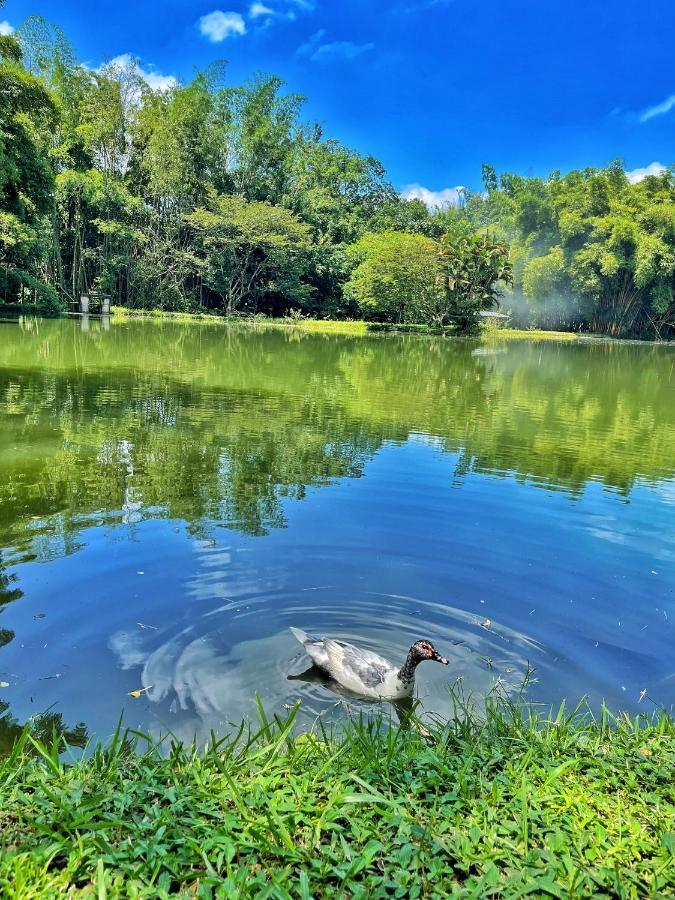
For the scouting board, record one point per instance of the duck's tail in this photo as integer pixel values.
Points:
(300, 635)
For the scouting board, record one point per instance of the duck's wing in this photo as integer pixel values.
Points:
(356, 668)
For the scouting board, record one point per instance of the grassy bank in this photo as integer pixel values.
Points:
(339, 326)
(327, 326)
(532, 334)
(563, 807)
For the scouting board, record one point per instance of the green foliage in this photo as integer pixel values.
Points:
(473, 268)
(245, 251)
(409, 278)
(601, 248)
(112, 186)
(505, 805)
(26, 179)
(107, 185)
(542, 275)
(396, 276)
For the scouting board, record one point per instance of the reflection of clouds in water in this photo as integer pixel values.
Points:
(199, 682)
(224, 575)
(203, 673)
(646, 536)
(199, 685)
(128, 647)
(606, 534)
(666, 491)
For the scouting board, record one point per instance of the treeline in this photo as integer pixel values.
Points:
(209, 196)
(590, 250)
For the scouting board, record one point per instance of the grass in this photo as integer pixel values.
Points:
(121, 313)
(509, 805)
(324, 326)
(489, 332)
(532, 334)
(320, 326)
(335, 326)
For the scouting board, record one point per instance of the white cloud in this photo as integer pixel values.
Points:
(312, 43)
(6, 28)
(317, 51)
(339, 50)
(257, 10)
(433, 199)
(218, 25)
(635, 175)
(153, 79)
(659, 110)
(280, 11)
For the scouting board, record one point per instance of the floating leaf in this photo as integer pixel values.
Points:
(4, 683)
(141, 691)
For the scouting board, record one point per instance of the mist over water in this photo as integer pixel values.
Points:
(557, 311)
(173, 498)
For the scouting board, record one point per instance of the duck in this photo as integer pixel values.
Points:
(366, 673)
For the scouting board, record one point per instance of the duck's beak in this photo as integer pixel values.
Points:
(441, 659)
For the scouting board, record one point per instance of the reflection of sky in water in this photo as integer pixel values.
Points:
(203, 681)
(171, 517)
(204, 622)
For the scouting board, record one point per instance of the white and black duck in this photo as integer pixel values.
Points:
(364, 672)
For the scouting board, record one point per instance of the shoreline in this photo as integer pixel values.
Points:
(352, 327)
(501, 804)
(359, 327)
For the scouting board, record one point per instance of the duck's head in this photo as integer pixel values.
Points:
(422, 650)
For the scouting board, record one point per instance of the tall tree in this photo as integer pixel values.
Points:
(27, 113)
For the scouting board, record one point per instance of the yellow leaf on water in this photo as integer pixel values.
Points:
(142, 691)
(4, 683)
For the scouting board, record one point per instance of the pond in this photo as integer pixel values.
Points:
(173, 497)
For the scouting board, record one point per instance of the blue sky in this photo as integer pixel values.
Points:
(431, 87)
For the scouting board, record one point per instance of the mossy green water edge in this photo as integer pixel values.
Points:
(505, 805)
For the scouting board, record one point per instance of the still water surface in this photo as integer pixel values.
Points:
(173, 497)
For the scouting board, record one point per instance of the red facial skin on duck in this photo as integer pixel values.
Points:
(431, 653)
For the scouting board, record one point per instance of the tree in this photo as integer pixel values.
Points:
(149, 195)
(601, 245)
(395, 277)
(246, 251)
(406, 278)
(263, 138)
(27, 113)
(473, 268)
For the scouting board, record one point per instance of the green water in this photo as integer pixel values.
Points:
(173, 497)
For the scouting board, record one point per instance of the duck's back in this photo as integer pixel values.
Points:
(360, 670)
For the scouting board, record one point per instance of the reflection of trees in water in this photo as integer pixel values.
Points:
(218, 424)
(43, 727)
(8, 593)
(8, 589)
(190, 455)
